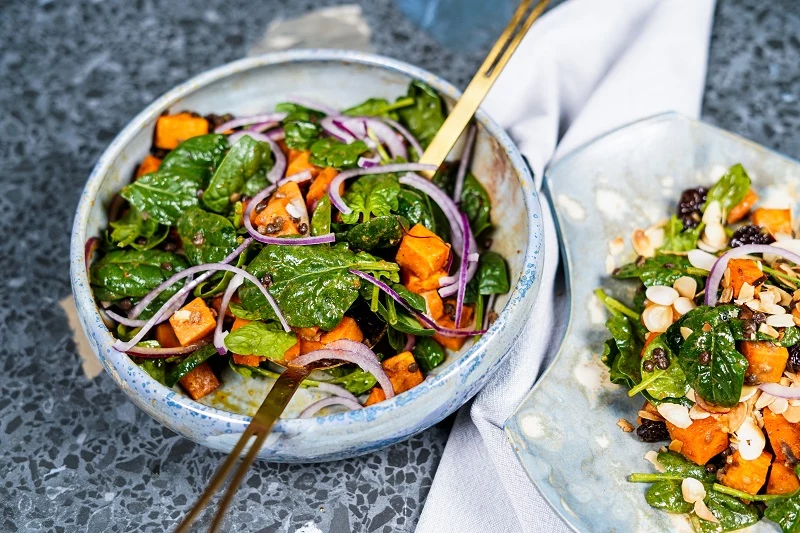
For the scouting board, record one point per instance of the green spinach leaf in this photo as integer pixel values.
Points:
(156, 368)
(321, 218)
(298, 112)
(492, 274)
(785, 513)
(259, 338)
(357, 382)
(660, 384)
(188, 364)
(731, 512)
(667, 496)
(245, 159)
(415, 207)
(374, 195)
(329, 152)
(663, 269)
(378, 233)
(676, 239)
(239, 311)
(621, 354)
(397, 339)
(730, 189)
(378, 107)
(301, 135)
(426, 116)
(128, 230)
(675, 463)
(206, 237)
(428, 353)
(133, 274)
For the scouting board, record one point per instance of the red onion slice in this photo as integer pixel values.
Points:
(262, 127)
(152, 295)
(88, 250)
(365, 362)
(162, 353)
(780, 391)
(489, 306)
(447, 332)
(369, 162)
(360, 126)
(125, 346)
(125, 321)
(462, 271)
(312, 104)
(315, 407)
(411, 341)
(277, 134)
(279, 168)
(336, 390)
(463, 165)
(718, 270)
(407, 134)
(333, 188)
(246, 121)
(219, 338)
(334, 128)
(444, 202)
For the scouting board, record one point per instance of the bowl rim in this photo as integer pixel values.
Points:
(529, 275)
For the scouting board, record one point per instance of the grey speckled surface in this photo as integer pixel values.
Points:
(75, 455)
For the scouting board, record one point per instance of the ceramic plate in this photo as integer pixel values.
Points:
(565, 432)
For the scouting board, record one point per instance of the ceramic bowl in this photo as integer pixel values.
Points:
(565, 432)
(340, 79)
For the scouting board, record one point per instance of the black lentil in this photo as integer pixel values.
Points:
(260, 206)
(649, 365)
(663, 363)
(166, 266)
(710, 468)
(413, 367)
(759, 317)
(199, 239)
(267, 280)
(704, 358)
(234, 197)
(303, 228)
(125, 304)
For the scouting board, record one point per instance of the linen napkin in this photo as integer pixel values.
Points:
(585, 68)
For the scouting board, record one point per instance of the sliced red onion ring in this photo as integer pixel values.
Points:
(277, 134)
(335, 128)
(446, 204)
(162, 353)
(462, 271)
(246, 121)
(369, 162)
(88, 250)
(125, 321)
(262, 127)
(312, 104)
(283, 241)
(333, 188)
(315, 407)
(411, 341)
(366, 363)
(718, 270)
(336, 390)
(447, 332)
(219, 338)
(137, 309)
(360, 126)
(463, 165)
(125, 346)
(279, 168)
(781, 391)
(489, 307)
(407, 134)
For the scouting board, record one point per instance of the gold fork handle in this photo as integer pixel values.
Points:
(477, 89)
(259, 427)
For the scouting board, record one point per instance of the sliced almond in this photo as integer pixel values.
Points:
(641, 244)
(746, 293)
(764, 400)
(652, 457)
(774, 309)
(701, 259)
(661, 295)
(734, 419)
(792, 414)
(682, 305)
(685, 332)
(691, 394)
(626, 426)
(656, 236)
(698, 413)
(726, 277)
(675, 446)
(657, 318)
(751, 440)
(748, 391)
(693, 490)
(727, 295)
(779, 406)
(766, 329)
(714, 235)
(615, 246)
(780, 321)
(647, 415)
(767, 298)
(686, 286)
(675, 414)
(702, 511)
(713, 213)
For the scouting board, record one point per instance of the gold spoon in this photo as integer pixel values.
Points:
(291, 378)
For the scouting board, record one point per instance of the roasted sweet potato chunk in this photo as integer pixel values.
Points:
(172, 130)
(420, 285)
(193, 322)
(166, 336)
(346, 329)
(766, 361)
(702, 440)
(783, 436)
(777, 221)
(454, 343)
(376, 395)
(403, 372)
(747, 476)
(200, 381)
(434, 304)
(284, 213)
(298, 162)
(319, 187)
(782, 479)
(148, 165)
(244, 358)
(744, 271)
(742, 209)
(422, 252)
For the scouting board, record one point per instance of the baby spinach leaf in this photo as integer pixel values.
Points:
(370, 196)
(428, 354)
(239, 311)
(663, 269)
(329, 152)
(321, 218)
(492, 274)
(378, 233)
(785, 513)
(206, 237)
(400, 320)
(730, 189)
(300, 135)
(378, 107)
(474, 201)
(245, 159)
(397, 339)
(188, 364)
(622, 353)
(250, 371)
(133, 273)
(675, 463)
(676, 239)
(667, 496)
(791, 335)
(660, 384)
(259, 338)
(298, 112)
(168, 192)
(254, 185)
(311, 284)
(720, 380)
(424, 118)
(156, 368)
(357, 381)
(414, 207)
(731, 512)
(128, 230)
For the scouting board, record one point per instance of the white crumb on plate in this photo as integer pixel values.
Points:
(611, 204)
(597, 313)
(572, 208)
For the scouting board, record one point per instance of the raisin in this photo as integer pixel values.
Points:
(690, 206)
(793, 363)
(652, 431)
(751, 235)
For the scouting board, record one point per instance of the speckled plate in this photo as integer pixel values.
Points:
(565, 432)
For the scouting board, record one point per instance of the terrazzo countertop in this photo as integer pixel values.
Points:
(75, 454)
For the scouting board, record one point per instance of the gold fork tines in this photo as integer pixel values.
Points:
(477, 89)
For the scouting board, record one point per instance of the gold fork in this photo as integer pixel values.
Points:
(289, 381)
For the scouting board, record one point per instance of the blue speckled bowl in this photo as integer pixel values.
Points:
(341, 79)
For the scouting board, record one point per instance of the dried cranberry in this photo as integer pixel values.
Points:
(690, 206)
(793, 363)
(652, 431)
(751, 235)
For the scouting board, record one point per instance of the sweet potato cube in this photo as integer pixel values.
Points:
(744, 271)
(276, 216)
(292, 352)
(403, 372)
(782, 479)
(702, 440)
(193, 322)
(777, 221)
(747, 476)
(239, 323)
(783, 436)
(346, 329)
(454, 343)
(216, 302)
(299, 162)
(376, 395)
(434, 304)
(166, 336)
(310, 334)
(422, 252)
(148, 165)
(319, 187)
(766, 361)
(200, 381)
(420, 285)
(742, 209)
(172, 130)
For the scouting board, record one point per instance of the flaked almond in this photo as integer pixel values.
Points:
(754, 305)
(675, 414)
(702, 511)
(759, 418)
(701, 259)
(657, 318)
(766, 329)
(652, 457)
(764, 400)
(692, 395)
(712, 213)
(746, 293)
(780, 321)
(714, 236)
(727, 295)
(792, 414)
(698, 413)
(748, 391)
(685, 332)
(767, 298)
(682, 305)
(647, 415)
(734, 419)
(661, 295)
(726, 277)
(692, 490)
(710, 407)
(686, 286)
(616, 246)
(704, 246)
(656, 236)
(751, 440)
(774, 309)
(626, 426)
(779, 406)
(641, 244)
(675, 446)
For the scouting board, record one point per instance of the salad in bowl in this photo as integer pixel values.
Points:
(711, 342)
